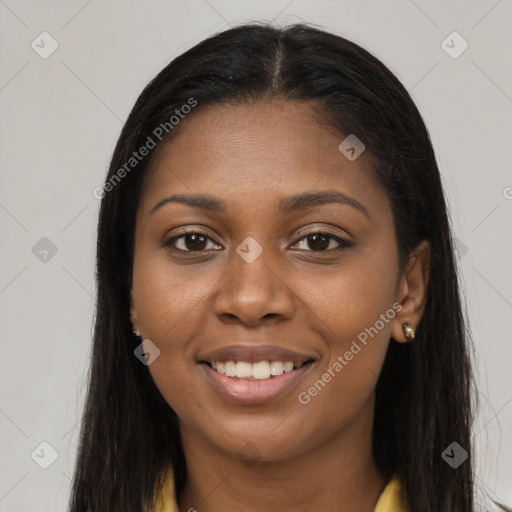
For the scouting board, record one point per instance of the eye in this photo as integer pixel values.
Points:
(191, 241)
(320, 240)
(317, 239)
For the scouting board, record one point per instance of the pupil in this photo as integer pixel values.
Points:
(315, 242)
(322, 240)
(197, 241)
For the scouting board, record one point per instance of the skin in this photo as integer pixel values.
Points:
(281, 455)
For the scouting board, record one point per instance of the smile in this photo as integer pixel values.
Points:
(248, 373)
(261, 370)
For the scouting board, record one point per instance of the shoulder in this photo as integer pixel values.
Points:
(165, 499)
(391, 498)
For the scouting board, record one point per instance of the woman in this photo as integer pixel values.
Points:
(278, 321)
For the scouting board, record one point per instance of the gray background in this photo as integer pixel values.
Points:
(61, 117)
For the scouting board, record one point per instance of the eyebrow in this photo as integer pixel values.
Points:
(286, 205)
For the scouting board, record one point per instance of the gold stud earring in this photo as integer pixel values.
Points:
(409, 332)
(137, 333)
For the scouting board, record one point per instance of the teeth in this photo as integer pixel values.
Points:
(288, 367)
(230, 368)
(276, 368)
(261, 370)
(253, 371)
(243, 369)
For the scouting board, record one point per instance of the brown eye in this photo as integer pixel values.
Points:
(191, 242)
(320, 241)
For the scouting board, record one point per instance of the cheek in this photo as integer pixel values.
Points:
(356, 310)
(352, 298)
(171, 308)
(170, 299)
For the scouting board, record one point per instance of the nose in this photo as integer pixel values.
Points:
(254, 293)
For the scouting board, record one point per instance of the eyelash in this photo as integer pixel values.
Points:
(343, 244)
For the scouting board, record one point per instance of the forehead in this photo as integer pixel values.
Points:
(256, 150)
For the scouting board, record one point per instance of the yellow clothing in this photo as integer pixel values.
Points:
(389, 500)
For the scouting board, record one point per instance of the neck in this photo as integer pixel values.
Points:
(337, 475)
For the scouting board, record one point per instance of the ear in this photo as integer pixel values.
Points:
(412, 291)
(134, 317)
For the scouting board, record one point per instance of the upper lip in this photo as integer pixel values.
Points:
(254, 353)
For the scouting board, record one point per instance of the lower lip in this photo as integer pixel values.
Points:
(251, 392)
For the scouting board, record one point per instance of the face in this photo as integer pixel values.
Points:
(273, 296)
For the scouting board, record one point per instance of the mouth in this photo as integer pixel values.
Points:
(260, 370)
(248, 374)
